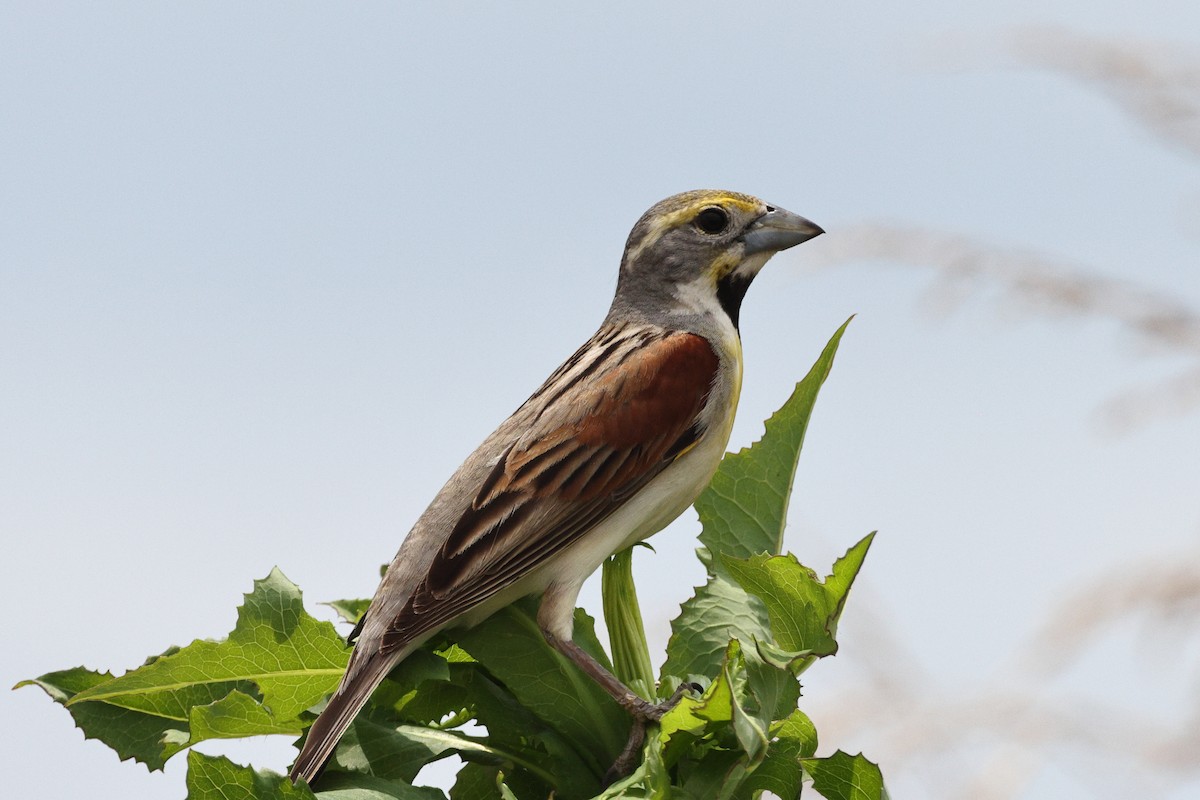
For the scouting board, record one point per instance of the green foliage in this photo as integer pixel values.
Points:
(845, 777)
(218, 778)
(744, 508)
(541, 728)
(277, 662)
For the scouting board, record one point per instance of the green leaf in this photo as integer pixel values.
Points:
(793, 739)
(387, 752)
(717, 612)
(803, 611)
(350, 610)
(234, 716)
(799, 732)
(218, 778)
(803, 615)
(744, 509)
(132, 734)
(693, 715)
(743, 512)
(212, 689)
(476, 782)
(276, 647)
(511, 647)
(356, 786)
(749, 727)
(718, 775)
(772, 692)
(513, 728)
(399, 753)
(846, 777)
(418, 689)
(737, 715)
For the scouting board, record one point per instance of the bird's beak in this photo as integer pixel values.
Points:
(778, 230)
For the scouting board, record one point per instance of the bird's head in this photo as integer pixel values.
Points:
(703, 248)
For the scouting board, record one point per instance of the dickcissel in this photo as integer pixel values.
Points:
(615, 444)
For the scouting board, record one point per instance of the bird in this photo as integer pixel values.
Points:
(613, 446)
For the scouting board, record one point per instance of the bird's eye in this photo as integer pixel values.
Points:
(712, 220)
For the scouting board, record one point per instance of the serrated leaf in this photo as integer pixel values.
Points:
(218, 778)
(759, 684)
(846, 777)
(743, 512)
(648, 780)
(276, 647)
(793, 661)
(744, 509)
(793, 739)
(234, 716)
(772, 692)
(803, 610)
(350, 610)
(212, 689)
(717, 612)
(132, 734)
(798, 730)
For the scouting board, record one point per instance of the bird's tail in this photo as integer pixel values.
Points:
(356, 687)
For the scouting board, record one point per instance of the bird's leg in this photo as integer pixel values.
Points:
(641, 710)
(625, 697)
(627, 761)
(556, 620)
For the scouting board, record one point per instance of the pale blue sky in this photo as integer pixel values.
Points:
(268, 274)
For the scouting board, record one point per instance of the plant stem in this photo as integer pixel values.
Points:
(623, 618)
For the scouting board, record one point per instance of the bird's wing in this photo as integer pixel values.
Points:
(609, 420)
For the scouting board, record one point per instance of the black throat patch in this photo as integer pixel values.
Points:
(730, 291)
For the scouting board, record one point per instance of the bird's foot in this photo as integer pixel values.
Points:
(643, 712)
(646, 711)
(628, 760)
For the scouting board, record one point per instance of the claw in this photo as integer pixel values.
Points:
(653, 712)
(643, 712)
(628, 759)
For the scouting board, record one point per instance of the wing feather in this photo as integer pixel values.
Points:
(612, 418)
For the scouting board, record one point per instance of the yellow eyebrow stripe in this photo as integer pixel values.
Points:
(686, 213)
(691, 204)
